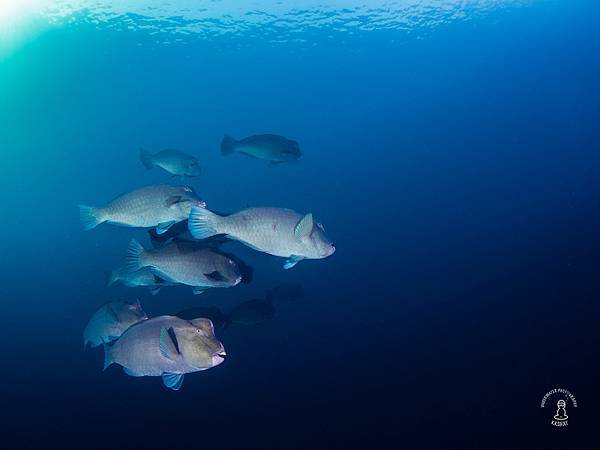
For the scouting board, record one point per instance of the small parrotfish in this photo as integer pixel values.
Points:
(172, 161)
(269, 147)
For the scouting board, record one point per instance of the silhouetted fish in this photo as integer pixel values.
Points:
(270, 147)
(285, 292)
(172, 161)
(251, 312)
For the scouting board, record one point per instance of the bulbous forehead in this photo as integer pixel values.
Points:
(204, 324)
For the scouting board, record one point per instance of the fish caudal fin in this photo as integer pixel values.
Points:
(202, 223)
(228, 145)
(146, 158)
(89, 218)
(134, 257)
(108, 356)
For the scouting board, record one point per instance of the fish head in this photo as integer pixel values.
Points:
(135, 312)
(186, 203)
(318, 245)
(290, 151)
(199, 345)
(192, 167)
(227, 272)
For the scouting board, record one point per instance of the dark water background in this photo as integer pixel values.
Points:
(456, 171)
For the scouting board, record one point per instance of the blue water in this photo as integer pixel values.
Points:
(452, 152)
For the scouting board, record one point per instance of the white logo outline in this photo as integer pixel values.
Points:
(561, 418)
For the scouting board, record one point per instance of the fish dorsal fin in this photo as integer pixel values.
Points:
(304, 226)
(172, 200)
(168, 345)
(172, 380)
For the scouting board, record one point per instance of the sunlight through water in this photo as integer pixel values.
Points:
(270, 19)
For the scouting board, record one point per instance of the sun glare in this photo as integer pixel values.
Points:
(16, 22)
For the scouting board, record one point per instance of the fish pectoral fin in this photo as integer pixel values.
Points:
(199, 289)
(173, 200)
(172, 380)
(164, 227)
(292, 261)
(130, 372)
(305, 226)
(215, 276)
(167, 344)
(163, 276)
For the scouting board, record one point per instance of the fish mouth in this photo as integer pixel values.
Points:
(202, 204)
(218, 358)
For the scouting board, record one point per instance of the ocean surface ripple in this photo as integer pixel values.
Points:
(273, 20)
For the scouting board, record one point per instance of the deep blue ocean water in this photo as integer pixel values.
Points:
(453, 157)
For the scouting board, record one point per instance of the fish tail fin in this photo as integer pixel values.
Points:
(134, 258)
(108, 356)
(89, 217)
(146, 158)
(228, 145)
(203, 223)
(110, 276)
